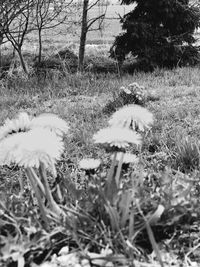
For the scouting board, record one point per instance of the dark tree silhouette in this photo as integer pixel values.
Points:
(159, 33)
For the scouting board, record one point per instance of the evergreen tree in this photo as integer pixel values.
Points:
(159, 32)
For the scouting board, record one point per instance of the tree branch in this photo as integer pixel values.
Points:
(92, 21)
(92, 5)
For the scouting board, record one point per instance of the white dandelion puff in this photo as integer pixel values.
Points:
(89, 164)
(20, 124)
(32, 148)
(132, 116)
(39, 146)
(9, 148)
(51, 122)
(118, 137)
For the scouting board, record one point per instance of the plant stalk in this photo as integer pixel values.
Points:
(38, 196)
(41, 187)
(53, 205)
(119, 168)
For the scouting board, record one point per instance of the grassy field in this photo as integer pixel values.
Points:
(169, 159)
(143, 212)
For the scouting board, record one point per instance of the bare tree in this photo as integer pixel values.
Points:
(20, 17)
(50, 14)
(87, 25)
(15, 21)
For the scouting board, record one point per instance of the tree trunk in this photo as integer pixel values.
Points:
(84, 30)
(19, 51)
(40, 45)
(1, 41)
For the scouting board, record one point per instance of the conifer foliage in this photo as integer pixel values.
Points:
(159, 33)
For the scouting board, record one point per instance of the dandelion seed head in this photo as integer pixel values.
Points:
(132, 116)
(51, 122)
(42, 140)
(20, 124)
(34, 159)
(30, 149)
(9, 147)
(118, 137)
(89, 164)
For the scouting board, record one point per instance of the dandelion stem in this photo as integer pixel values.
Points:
(112, 169)
(110, 185)
(38, 181)
(119, 168)
(38, 196)
(59, 194)
(21, 183)
(131, 225)
(53, 205)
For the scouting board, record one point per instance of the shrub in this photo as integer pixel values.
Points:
(132, 94)
(64, 60)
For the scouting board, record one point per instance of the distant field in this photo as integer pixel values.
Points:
(111, 26)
